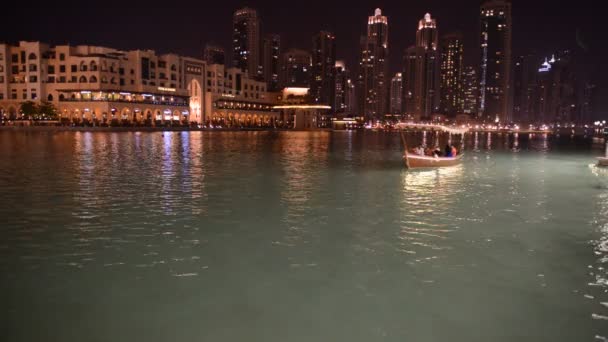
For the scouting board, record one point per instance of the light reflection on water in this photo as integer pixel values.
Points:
(302, 235)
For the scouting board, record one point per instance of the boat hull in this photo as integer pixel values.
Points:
(603, 161)
(418, 162)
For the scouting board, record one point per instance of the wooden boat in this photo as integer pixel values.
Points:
(413, 161)
(416, 161)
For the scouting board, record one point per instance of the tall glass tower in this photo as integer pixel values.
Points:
(495, 70)
(373, 78)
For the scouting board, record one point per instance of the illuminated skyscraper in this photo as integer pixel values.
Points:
(396, 94)
(452, 58)
(421, 70)
(372, 79)
(323, 82)
(345, 101)
(470, 86)
(246, 42)
(495, 71)
(525, 70)
(272, 55)
(295, 69)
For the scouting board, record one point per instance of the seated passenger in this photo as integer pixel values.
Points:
(437, 152)
(448, 151)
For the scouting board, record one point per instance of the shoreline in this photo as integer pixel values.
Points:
(135, 129)
(192, 129)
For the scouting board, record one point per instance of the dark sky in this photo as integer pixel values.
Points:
(185, 26)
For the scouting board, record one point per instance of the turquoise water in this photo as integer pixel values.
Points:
(290, 236)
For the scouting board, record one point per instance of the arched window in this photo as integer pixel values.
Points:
(93, 79)
(113, 80)
(32, 56)
(83, 67)
(104, 79)
(173, 67)
(112, 67)
(104, 66)
(50, 97)
(83, 79)
(93, 66)
(61, 97)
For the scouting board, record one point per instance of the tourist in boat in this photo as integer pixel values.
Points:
(448, 151)
(454, 151)
(437, 152)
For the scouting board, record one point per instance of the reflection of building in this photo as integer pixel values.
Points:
(372, 80)
(246, 42)
(495, 72)
(452, 58)
(272, 53)
(322, 84)
(396, 94)
(214, 54)
(296, 107)
(234, 99)
(421, 66)
(470, 90)
(295, 69)
(102, 85)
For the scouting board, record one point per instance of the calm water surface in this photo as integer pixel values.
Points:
(299, 237)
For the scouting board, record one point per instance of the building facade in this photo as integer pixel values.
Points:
(295, 69)
(99, 85)
(213, 54)
(373, 79)
(421, 69)
(495, 71)
(396, 102)
(452, 59)
(470, 87)
(322, 85)
(236, 100)
(558, 97)
(525, 69)
(272, 55)
(246, 42)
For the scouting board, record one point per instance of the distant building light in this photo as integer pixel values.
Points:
(172, 90)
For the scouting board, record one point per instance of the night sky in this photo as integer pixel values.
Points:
(185, 26)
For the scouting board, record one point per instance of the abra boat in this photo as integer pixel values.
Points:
(414, 161)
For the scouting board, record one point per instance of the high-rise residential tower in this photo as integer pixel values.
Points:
(452, 59)
(495, 66)
(246, 42)
(525, 70)
(470, 90)
(373, 78)
(396, 94)
(295, 69)
(272, 55)
(322, 85)
(421, 70)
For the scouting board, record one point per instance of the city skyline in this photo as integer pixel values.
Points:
(213, 25)
(472, 52)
